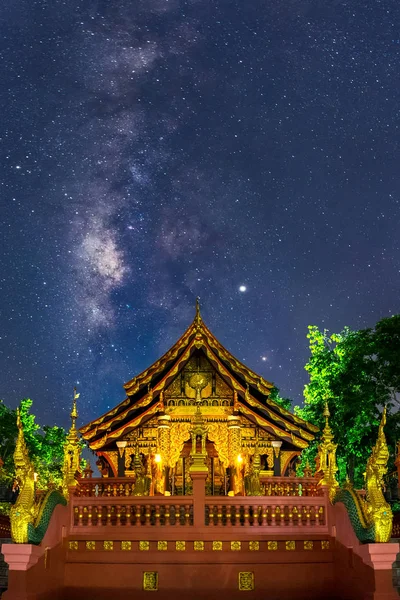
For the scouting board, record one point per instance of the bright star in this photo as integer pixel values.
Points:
(242, 288)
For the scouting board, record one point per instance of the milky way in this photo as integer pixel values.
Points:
(158, 150)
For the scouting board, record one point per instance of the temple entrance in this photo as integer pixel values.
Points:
(217, 482)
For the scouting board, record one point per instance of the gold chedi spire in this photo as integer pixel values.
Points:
(72, 451)
(327, 457)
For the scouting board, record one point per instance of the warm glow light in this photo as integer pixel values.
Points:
(157, 458)
(35, 476)
(239, 458)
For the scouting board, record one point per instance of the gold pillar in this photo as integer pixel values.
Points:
(163, 452)
(235, 453)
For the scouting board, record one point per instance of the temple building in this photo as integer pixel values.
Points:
(246, 437)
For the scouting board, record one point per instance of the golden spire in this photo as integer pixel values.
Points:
(327, 457)
(327, 434)
(74, 411)
(72, 451)
(197, 318)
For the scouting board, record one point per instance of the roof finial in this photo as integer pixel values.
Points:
(74, 411)
(198, 315)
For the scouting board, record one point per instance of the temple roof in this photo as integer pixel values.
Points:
(145, 393)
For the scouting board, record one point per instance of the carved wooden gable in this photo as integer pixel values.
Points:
(216, 392)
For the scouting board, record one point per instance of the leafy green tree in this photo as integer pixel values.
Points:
(276, 397)
(45, 445)
(357, 372)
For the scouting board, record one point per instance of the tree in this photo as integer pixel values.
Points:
(45, 445)
(357, 372)
(276, 397)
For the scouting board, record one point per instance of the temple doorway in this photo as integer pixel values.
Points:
(217, 482)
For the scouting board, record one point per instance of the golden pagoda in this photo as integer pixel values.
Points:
(149, 435)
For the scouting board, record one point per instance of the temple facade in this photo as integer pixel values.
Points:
(198, 497)
(247, 436)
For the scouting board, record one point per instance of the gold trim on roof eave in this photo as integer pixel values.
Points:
(259, 381)
(305, 434)
(254, 401)
(174, 369)
(276, 430)
(199, 333)
(234, 362)
(121, 431)
(85, 428)
(214, 359)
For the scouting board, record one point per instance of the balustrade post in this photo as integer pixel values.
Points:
(290, 515)
(199, 497)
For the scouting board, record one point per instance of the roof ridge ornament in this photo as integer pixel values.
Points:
(197, 318)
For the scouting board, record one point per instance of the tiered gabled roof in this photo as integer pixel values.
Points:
(145, 393)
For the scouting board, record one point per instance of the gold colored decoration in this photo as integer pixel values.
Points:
(234, 438)
(236, 545)
(72, 452)
(252, 484)
(73, 545)
(142, 481)
(180, 432)
(246, 581)
(290, 545)
(91, 545)
(198, 433)
(164, 437)
(308, 545)
(379, 509)
(217, 372)
(126, 545)
(198, 546)
(375, 508)
(24, 511)
(180, 545)
(325, 545)
(144, 545)
(108, 545)
(112, 458)
(150, 581)
(163, 545)
(326, 458)
(217, 545)
(272, 545)
(218, 433)
(254, 545)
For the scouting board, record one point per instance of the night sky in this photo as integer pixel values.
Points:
(242, 151)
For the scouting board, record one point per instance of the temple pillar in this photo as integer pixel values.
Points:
(276, 446)
(163, 448)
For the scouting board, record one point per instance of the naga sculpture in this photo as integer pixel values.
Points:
(371, 517)
(29, 519)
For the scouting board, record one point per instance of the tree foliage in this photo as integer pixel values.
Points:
(357, 372)
(276, 397)
(45, 444)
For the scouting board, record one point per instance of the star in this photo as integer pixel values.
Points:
(242, 288)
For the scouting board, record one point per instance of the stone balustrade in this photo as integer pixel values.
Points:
(289, 505)
(291, 486)
(266, 511)
(139, 511)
